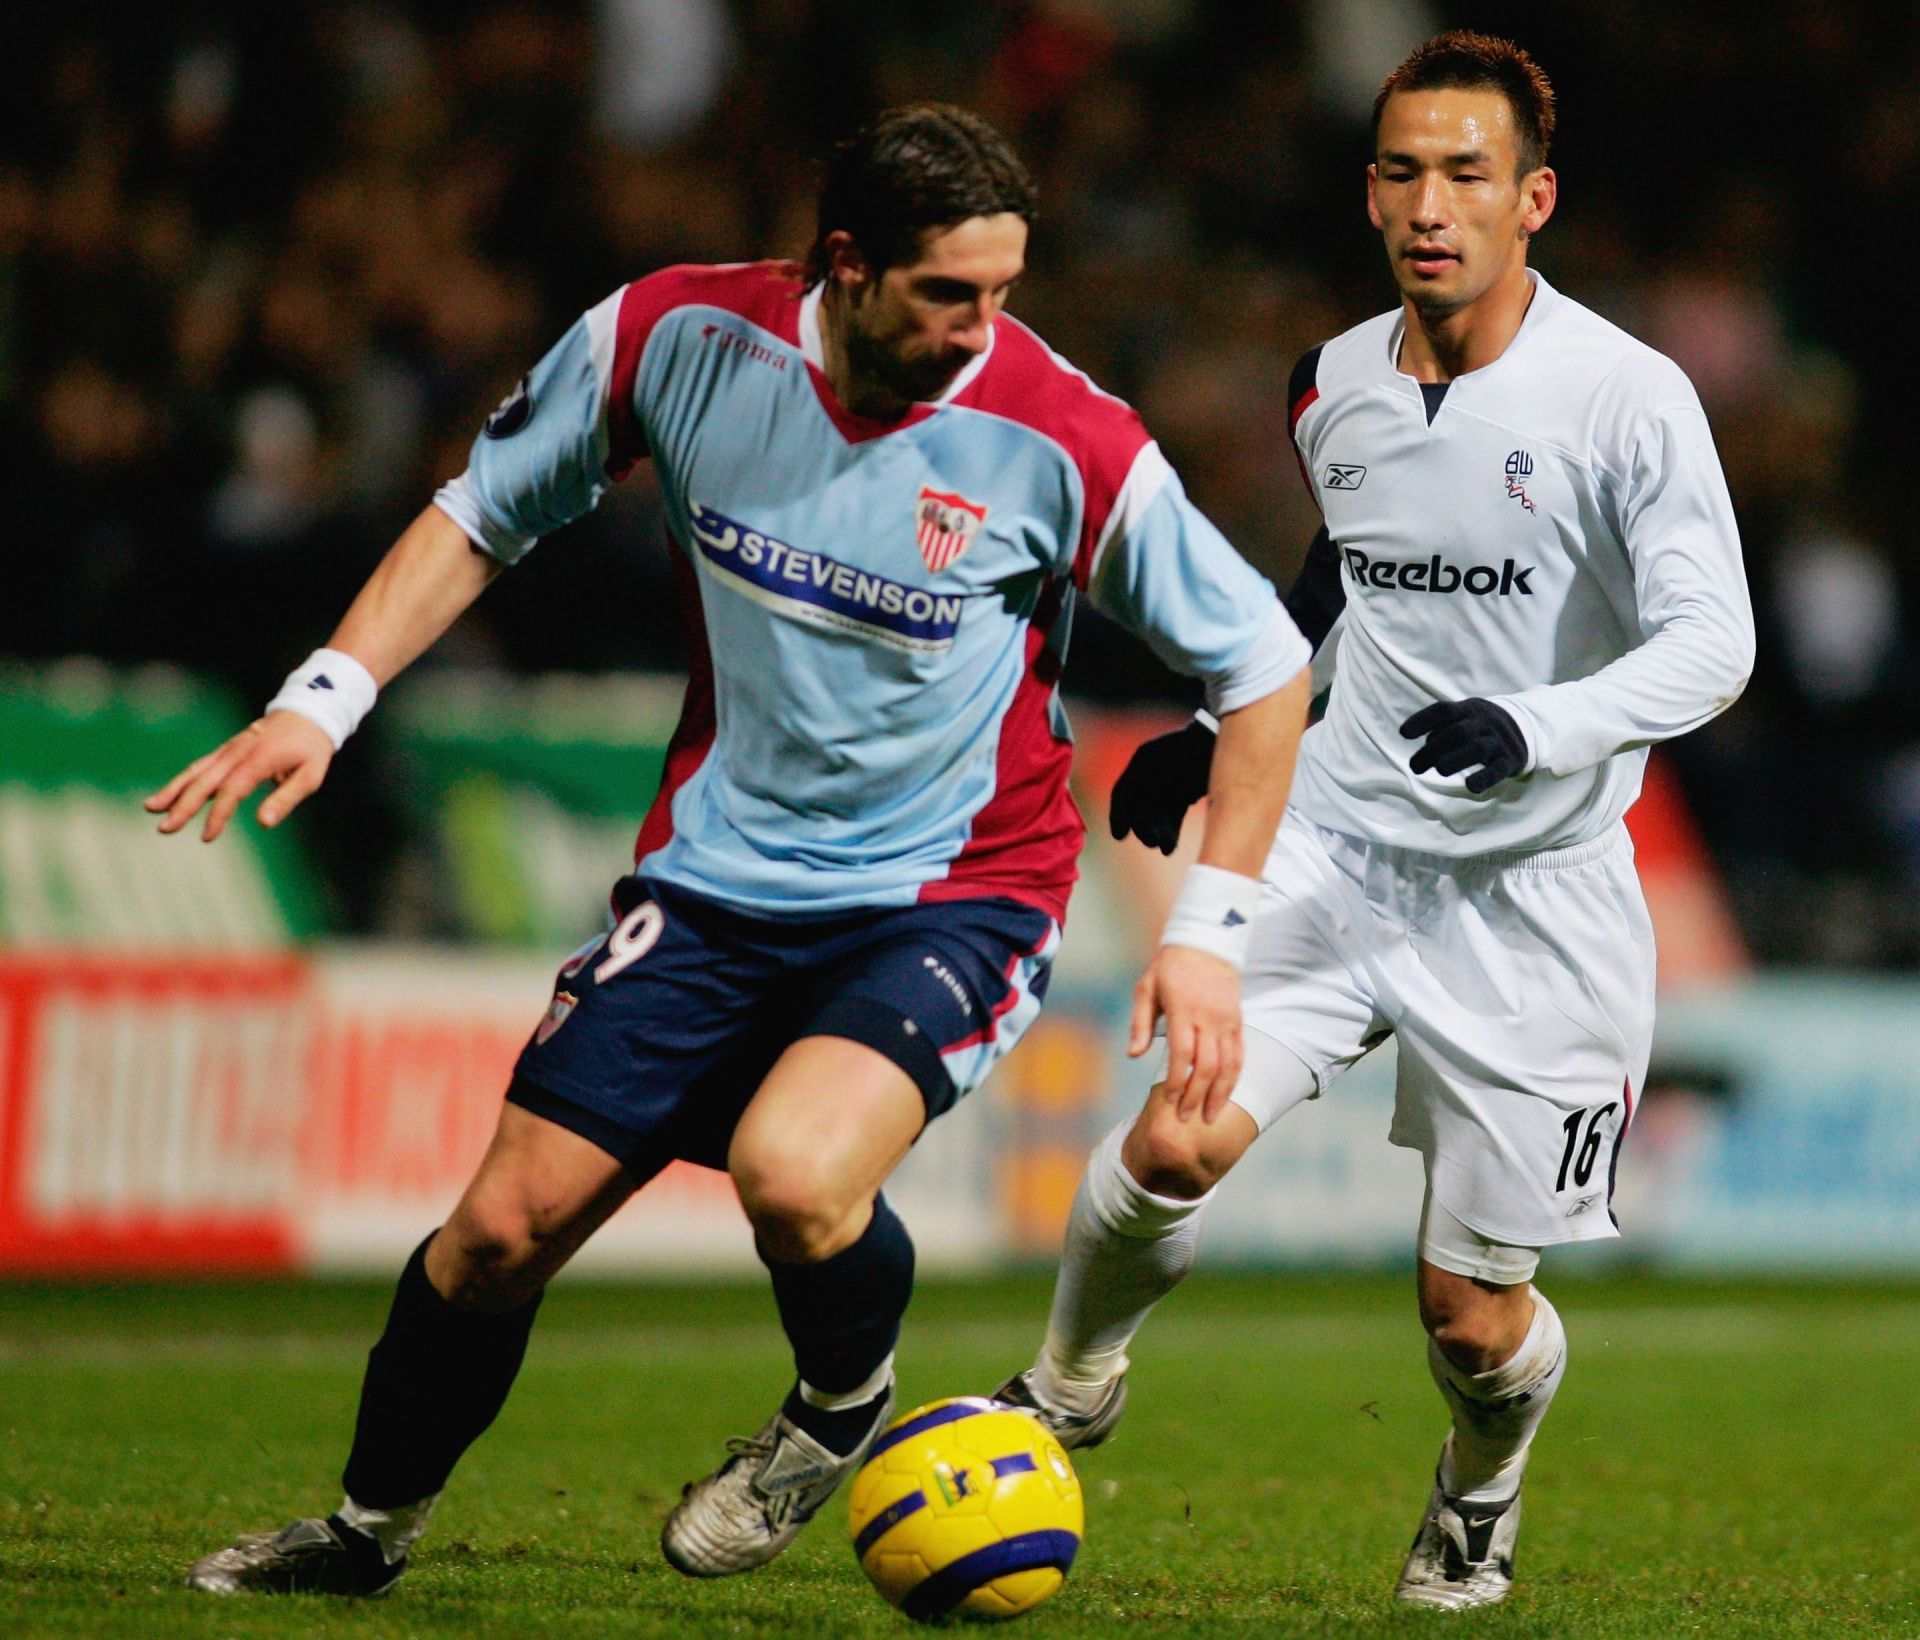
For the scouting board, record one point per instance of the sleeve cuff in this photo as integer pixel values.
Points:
(1272, 661)
(460, 501)
(1531, 729)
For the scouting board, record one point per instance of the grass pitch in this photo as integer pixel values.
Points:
(1723, 1460)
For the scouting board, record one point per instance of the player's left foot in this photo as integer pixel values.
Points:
(309, 1557)
(1463, 1553)
(755, 1503)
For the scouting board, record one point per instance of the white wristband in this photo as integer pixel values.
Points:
(1214, 913)
(332, 689)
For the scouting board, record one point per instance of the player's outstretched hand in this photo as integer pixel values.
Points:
(1199, 995)
(1462, 733)
(290, 750)
(1164, 778)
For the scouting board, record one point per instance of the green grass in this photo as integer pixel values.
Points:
(1724, 1460)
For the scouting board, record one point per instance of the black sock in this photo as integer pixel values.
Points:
(842, 1317)
(435, 1380)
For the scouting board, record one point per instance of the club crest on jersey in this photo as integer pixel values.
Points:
(1519, 470)
(515, 411)
(558, 1012)
(945, 525)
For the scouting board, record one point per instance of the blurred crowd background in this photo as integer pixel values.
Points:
(265, 269)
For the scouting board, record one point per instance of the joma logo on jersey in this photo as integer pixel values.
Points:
(734, 342)
(1435, 574)
(1519, 470)
(1343, 477)
(945, 525)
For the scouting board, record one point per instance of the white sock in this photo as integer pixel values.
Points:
(1126, 1249)
(1496, 1413)
(393, 1529)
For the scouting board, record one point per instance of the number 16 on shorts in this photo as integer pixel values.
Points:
(1589, 1131)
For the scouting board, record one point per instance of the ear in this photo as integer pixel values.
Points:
(846, 266)
(1539, 193)
(1373, 205)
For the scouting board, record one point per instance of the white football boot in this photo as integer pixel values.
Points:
(1462, 1555)
(755, 1503)
(1074, 1430)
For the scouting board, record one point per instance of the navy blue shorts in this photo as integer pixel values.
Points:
(662, 1030)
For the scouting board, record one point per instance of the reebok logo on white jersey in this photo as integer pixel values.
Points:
(1341, 476)
(1435, 574)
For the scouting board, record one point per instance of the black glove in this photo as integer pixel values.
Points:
(1461, 733)
(1162, 780)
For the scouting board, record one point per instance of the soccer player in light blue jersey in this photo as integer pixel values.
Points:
(886, 496)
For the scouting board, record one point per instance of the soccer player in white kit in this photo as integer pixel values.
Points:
(1531, 572)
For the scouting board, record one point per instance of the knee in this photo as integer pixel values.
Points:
(1478, 1329)
(1180, 1159)
(489, 1254)
(798, 1212)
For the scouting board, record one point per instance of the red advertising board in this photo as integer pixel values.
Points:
(265, 1113)
(149, 1111)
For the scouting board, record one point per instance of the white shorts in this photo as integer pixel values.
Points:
(1519, 989)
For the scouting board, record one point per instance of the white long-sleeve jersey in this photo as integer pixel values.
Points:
(1557, 538)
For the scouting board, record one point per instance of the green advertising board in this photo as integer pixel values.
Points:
(530, 792)
(81, 864)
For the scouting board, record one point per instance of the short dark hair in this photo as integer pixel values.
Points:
(922, 166)
(1461, 60)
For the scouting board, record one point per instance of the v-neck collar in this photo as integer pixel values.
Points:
(1544, 297)
(856, 428)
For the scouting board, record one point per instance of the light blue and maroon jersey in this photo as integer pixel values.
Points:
(878, 612)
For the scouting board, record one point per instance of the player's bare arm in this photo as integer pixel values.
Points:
(1196, 989)
(422, 586)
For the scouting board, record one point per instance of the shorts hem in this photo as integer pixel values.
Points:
(892, 1035)
(1321, 1079)
(1480, 1270)
(1560, 1238)
(623, 1144)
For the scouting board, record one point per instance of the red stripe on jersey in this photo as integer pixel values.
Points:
(1306, 477)
(1025, 841)
(1027, 382)
(1300, 407)
(693, 735)
(767, 293)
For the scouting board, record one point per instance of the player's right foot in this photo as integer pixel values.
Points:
(755, 1503)
(1462, 1555)
(308, 1557)
(1073, 1430)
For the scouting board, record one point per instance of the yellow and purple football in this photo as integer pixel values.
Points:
(966, 1507)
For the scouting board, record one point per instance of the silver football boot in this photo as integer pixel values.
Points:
(1462, 1555)
(754, 1504)
(1074, 1430)
(307, 1557)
